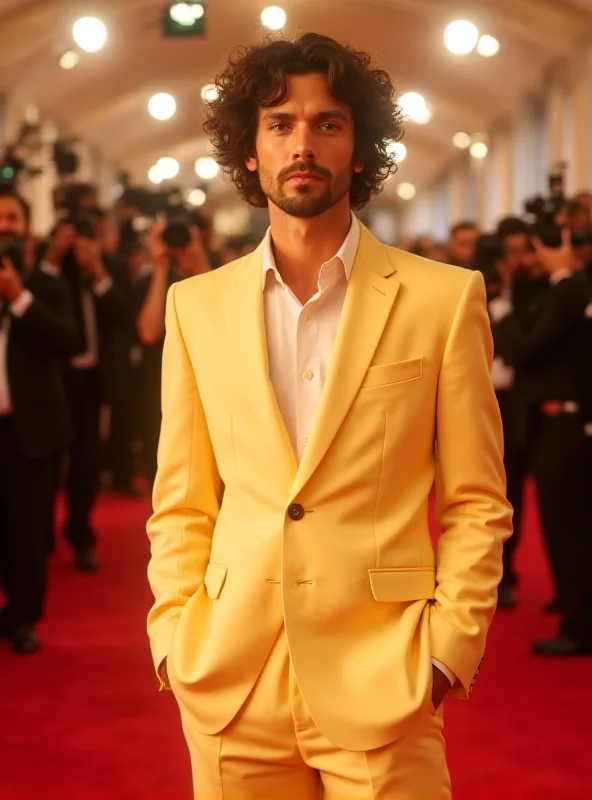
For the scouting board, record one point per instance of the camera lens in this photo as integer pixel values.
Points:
(176, 235)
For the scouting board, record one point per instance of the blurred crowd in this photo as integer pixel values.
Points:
(81, 337)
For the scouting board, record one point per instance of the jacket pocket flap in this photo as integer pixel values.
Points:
(403, 585)
(385, 374)
(214, 580)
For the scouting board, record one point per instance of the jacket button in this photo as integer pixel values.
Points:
(296, 512)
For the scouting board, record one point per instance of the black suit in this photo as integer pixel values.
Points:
(89, 387)
(30, 437)
(527, 295)
(555, 358)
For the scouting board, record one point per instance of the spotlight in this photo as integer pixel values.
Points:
(397, 150)
(406, 191)
(488, 46)
(206, 168)
(168, 167)
(90, 34)
(479, 150)
(461, 140)
(184, 19)
(69, 59)
(413, 106)
(155, 175)
(209, 93)
(461, 37)
(196, 197)
(162, 106)
(273, 18)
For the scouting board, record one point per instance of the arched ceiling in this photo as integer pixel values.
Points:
(104, 99)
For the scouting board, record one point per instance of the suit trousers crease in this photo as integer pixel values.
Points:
(272, 750)
(26, 486)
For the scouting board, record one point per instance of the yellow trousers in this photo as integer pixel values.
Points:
(272, 750)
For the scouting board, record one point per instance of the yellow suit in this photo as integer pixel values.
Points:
(337, 549)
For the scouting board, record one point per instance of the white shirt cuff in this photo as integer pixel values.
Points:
(443, 668)
(560, 275)
(22, 304)
(102, 287)
(499, 308)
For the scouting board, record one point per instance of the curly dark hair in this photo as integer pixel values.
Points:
(256, 77)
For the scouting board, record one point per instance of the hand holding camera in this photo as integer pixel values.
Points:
(11, 286)
(61, 242)
(555, 259)
(88, 258)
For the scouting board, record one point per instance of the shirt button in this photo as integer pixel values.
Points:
(308, 375)
(304, 318)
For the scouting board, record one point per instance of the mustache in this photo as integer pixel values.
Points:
(303, 166)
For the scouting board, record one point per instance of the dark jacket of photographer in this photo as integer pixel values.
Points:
(38, 341)
(554, 356)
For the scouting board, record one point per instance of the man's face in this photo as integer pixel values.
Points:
(516, 248)
(13, 223)
(463, 245)
(305, 149)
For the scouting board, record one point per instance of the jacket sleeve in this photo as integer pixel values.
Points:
(472, 510)
(187, 493)
(563, 311)
(49, 320)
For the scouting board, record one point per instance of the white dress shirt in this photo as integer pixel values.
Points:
(301, 338)
(16, 309)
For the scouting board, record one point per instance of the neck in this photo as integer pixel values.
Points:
(301, 246)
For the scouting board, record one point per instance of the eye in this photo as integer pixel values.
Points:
(330, 126)
(279, 127)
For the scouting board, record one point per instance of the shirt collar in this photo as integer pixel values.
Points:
(346, 253)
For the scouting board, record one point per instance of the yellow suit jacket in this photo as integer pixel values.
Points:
(366, 603)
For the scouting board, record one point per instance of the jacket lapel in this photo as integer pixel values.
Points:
(368, 304)
(247, 322)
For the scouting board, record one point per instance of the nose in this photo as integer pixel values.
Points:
(303, 148)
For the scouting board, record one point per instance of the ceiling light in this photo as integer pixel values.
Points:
(406, 191)
(423, 116)
(397, 150)
(461, 37)
(273, 18)
(168, 167)
(479, 150)
(196, 197)
(209, 93)
(162, 106)
(461, 140)
(206, 168)
(155, 175)
(186, 13)
(69, 59)
(488, 46)
(413, 106)
(89, 33)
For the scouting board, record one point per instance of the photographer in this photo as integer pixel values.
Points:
(99, 298)
(553, 357)
(173, 257)
(37, 331)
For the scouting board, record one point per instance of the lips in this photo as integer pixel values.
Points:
(304, 176)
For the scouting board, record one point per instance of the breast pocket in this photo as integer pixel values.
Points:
(389, 374)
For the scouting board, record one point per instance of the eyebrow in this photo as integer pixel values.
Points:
(322, 116)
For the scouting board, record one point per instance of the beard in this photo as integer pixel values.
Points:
(305, 200)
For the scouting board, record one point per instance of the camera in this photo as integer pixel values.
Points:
(177, 233)
(14, 251)
(543, 210)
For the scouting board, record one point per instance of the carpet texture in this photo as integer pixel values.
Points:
(83, 719)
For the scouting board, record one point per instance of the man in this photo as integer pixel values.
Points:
(463, 244)
(553, 355)
(36, 332)
(519, 282)
(100, 310)
(312, 392)
(167, 266)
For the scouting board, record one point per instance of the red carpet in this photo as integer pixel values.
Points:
(83, 719)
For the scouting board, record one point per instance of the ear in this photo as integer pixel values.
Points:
(251, 163)
(358, 166)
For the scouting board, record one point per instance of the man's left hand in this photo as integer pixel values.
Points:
(193, 259)
(11, 286)
(440, 687)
